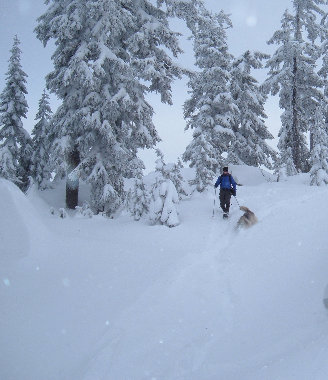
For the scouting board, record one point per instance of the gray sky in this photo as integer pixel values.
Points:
(254, 22)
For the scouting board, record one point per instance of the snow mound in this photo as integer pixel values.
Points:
(250, 175)
(19, 224)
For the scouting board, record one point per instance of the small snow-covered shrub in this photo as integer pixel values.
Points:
(138, 200)
(85, 210)
(163, 208)
(62, 213)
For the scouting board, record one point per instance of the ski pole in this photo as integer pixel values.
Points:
(237, 201)
(214, 203)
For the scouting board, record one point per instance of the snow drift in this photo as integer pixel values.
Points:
(20, 225)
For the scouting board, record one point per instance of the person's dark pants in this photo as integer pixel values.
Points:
(225, 196)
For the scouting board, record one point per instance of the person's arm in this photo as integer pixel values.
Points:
(217, 183)
(234, 184)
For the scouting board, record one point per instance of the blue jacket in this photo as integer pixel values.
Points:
(226, 181)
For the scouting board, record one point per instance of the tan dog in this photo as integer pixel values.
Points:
(248, 219)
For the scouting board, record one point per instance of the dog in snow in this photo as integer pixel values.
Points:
(248, 219)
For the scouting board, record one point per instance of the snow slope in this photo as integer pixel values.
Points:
(101, 299)
(19, 223)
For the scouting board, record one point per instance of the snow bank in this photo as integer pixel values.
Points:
(20, 224)
(249, 175)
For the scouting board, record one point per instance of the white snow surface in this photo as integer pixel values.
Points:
(115, 299)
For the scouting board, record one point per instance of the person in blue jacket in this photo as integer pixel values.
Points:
(227, 188)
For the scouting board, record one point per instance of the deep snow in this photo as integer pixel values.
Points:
(102, 299)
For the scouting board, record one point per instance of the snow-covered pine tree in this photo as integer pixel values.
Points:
(41, 165)
(323, 72)
(108, 56)
(163, 208)
(139, 199)
(164, 196)
(309, 15)
(177, 179)
(319, 136)
(292, 75)
(161, 169)
(319, 153)
(200, 153)
(251, 133)
(104, 197)
(15, 142)
(284, 166)
(171, 171)
(210, 111)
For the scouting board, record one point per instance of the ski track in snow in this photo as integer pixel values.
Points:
(208, 266)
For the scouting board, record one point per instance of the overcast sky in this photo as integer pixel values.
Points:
(254, 22)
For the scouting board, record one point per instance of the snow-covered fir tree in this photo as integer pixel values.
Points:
(41, 165)
(309, 16)
(171, 171)
(250, 147)
(15, 142)
(319, 153)
(210, 111)
(292, 75)
(164, 206)
(178, 180)
(323, 72)
(161, 169)
(104, 197)
(139, 199)
(281, 80)
(164, 196)
(109, 55)
(284, 166)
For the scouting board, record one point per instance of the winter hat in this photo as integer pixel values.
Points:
(225, 169)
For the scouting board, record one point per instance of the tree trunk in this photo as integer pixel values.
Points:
(295, 128)
(296, 140)
(72, 182)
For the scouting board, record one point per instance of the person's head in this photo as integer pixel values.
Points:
(225, 169)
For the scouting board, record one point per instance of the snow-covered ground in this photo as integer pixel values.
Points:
(102, 299)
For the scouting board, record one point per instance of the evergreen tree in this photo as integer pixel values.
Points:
(109, 55)
(170, 199)
(210, 111)
(292, 75)
(163, 208)
(250, 147)
(160, 166)
(284, 166)
(172, 172)
(139, 199)
(309, 17)
(201, 154)
(177, 179)
(41, 165)
(104, 197)
(15, 142)
(164, 196)
(323, 72)
(319, 153)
